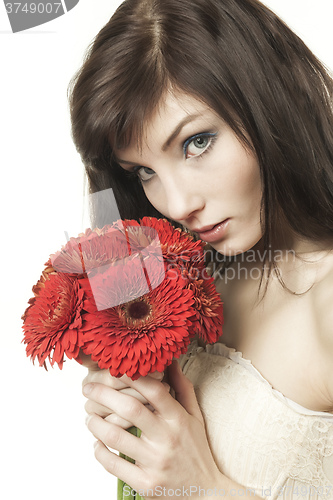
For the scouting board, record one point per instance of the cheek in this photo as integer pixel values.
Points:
(248, 180)
(239, 177)
(156, 198)
(255, 186)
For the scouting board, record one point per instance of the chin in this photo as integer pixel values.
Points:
(231, 249)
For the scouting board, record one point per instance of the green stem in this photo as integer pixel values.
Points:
(121, 484)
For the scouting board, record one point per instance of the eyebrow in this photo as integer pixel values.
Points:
(178, 129)
(169, 141)
(119, 160)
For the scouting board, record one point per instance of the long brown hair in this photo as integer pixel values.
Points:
(241, 60)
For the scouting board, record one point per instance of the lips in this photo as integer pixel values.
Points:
(205, 228)
(213, 233)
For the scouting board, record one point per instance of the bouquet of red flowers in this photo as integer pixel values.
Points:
(130, 295)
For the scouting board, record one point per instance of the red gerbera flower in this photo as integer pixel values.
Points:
(172, 244)
(52, 319)
(131, 294)
(91, 250)
(208, 320)
(142, 335)
(180, 251)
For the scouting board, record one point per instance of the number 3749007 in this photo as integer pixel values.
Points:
(33, 8)
(306, 491)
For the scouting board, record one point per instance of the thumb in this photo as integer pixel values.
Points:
(184, 390)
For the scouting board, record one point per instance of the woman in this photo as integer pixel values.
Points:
(212, 113)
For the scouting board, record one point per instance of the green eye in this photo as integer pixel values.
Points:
(198, 144)
(201, 142)
(144, 173)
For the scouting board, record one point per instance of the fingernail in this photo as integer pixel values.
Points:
(87, 389)
(95, 444)
(88, 418)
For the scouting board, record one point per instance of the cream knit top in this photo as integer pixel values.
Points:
(258, 437)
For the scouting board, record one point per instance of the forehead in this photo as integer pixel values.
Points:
(175, 112)
(177, 106)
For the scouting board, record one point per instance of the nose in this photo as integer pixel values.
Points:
(183, 200)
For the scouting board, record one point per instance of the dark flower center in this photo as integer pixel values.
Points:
(138, 309)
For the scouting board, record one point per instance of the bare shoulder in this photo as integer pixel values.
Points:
(323, 313)
(315, 314)
(323, 300)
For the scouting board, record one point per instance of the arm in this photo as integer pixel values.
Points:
(173, 451)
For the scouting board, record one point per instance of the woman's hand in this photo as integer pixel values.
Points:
(96, 375)
(172, 452)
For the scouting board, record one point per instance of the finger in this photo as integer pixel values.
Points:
(157, 394)
(117, 466)
(184, 390)
(116, 438)
(157, 375)
(93, 407)
(125, 406)
(135, 394)
(103, 377)
(113, 418)
(103, 411)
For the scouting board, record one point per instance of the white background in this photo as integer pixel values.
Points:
(46, 451)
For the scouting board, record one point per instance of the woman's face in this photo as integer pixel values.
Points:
(194, 170)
